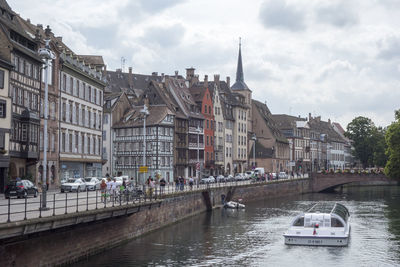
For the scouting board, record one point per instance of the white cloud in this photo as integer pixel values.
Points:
(339, 59)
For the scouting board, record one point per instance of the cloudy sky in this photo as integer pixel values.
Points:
(337, 59)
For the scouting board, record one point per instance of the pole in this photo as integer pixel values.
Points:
(254, 154)
(198, 155)
(144, 142)
(46, 91)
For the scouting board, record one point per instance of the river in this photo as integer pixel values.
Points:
(253, 237)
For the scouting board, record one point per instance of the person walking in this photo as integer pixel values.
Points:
(152, 186)
(176, 184)
(108, 190)
(162, 185)
(181, 183)
(191, 181)
(103, 190)
(114, 188)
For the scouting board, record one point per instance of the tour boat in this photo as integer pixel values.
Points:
(325, 224)
(234, 205)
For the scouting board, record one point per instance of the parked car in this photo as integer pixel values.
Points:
(239, 177)
(283, 175)
(221, 179)
(21, 188)
(73, 184)
(207, 180)
(92, 183)
(119, 180)
(230, 178)
(249, 174)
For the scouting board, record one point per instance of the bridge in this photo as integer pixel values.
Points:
(84, 222)
(323, 182)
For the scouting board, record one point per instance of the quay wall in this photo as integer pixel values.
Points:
(75, 242)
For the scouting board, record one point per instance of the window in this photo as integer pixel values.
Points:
(209, 109)
(64, 87)
(76, 142)
(63, 142)
(77, 88)
(3, 108)
(52, 144)
(205, 108)
(1, 79)
(71, 85)
(24, 132)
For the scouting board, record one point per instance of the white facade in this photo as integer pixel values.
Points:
(81, 118)
(219, 132)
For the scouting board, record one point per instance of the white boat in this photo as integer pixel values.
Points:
(325, 224)
(234, 205)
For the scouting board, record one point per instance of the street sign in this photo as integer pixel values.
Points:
(143, 169)
(198, 166)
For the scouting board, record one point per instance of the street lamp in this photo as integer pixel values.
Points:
(198, 155)
(46, 54)
(254, 150)
(145, 112)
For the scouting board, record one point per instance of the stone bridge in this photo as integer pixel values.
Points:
(323, 182)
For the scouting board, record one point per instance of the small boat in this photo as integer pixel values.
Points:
(325, 224)
(234, 205)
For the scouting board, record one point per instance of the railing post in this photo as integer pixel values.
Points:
(40, 210)
(26, 201)
(9, 208)
(77, 200)
(113, 198)
(66, 203)
(87, 199)
(54, 204)
(96, 198)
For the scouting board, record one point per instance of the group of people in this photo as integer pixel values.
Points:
(180, 183)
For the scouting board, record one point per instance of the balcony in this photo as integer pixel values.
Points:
(194, 161)
(194, 130)
(194, 146)
(218, 148)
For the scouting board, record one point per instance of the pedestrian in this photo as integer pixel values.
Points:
(114, 188)
(162, 185)
(176, 183)
(181, 183)
(152, 186)
(47, 184)
(191, 181)
(103, 190)
(292, 174)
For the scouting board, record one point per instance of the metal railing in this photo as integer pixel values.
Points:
(12, 210)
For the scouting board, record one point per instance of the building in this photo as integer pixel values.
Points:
(20, 48)
(348, 157)
(159, 150)
(272, 147)
(297, 131)
(204, 101)
(5, 120)
(81, 113)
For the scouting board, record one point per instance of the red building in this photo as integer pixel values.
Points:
(203, 98)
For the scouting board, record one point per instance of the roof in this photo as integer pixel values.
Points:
(92, 59)
(324, 127)
(133, 118)
(239, 84)
(285, 122)
(330, 207)
(197, 92)
(262, 151)
(269, 121)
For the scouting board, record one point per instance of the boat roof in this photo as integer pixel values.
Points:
(330, 207)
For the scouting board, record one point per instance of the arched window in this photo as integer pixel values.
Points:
(205, 108)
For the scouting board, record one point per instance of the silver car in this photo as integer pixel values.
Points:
(73, 184)
(92, 183)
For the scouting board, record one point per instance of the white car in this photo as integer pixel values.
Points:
(208, 180)
(249, 174)
(221, 179)
(92, 183)
(73, 184)
(239, 177)
(283, 175)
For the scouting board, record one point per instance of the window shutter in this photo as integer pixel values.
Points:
(80, 116)
(67, 112)
(73, 114)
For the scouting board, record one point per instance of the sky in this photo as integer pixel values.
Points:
(337, 59)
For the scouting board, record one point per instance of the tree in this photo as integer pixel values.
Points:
(392, 138)
(379, 155)
(361, 131)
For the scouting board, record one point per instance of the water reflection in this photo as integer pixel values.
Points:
(253, 237)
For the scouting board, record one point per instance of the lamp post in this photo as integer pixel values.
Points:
(145, 112)
(47, 55)
(198, 155)
(254, 150)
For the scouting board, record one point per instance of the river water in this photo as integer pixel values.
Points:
(253, 237)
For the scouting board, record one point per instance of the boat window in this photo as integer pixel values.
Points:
(336, 223)
(299, 222)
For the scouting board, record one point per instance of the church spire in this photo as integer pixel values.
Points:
(239, 84)
(239, 70)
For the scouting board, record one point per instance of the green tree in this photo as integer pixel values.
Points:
(379, 155)
(361, 131)
(392, 138)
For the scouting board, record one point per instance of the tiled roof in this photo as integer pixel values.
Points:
(324, 127)
(133, 118)
(285, 122)
(269, 121)
(261, 151)
(92, 59)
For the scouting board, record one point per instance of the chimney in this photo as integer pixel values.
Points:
(190, 73)
(228, 81)
(154, 73)
(47, 31)
(146, 101)
(28, 20)
(329, 121)
(104, 70)
(206, 81)
(309, 116)
(176, 74)
(40, 26)
(216, 79)
(118, 70)
(130, 77)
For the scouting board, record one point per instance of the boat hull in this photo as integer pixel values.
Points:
(316, 241)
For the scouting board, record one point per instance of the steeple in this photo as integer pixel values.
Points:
(239, 70)
(240, 84)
